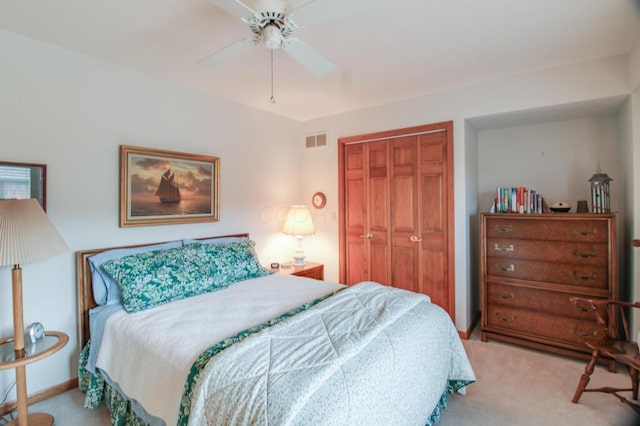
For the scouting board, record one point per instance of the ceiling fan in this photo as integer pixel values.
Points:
(271, 23)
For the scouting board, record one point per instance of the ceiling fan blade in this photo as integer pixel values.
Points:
(308, 57)
(235, 8)
(317, 11)
(222, 56)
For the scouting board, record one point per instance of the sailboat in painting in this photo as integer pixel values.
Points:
(168, 190)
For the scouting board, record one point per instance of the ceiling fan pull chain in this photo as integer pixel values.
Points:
(272, 99)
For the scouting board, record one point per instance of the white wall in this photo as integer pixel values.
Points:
(634, 67)
(549, 87)
(626, 188)
(635, 201)
(72, 113)
(471, 292)
(629, 129)
(555, 158)
(633, 128)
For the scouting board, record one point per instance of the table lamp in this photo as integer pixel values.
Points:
(26, 235)
(299, 224)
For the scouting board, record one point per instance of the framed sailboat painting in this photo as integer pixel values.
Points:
(160, 187)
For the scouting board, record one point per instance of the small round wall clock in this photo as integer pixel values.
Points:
(319, 200)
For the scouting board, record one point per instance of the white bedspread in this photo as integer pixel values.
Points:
(370, 355)
(149, 353)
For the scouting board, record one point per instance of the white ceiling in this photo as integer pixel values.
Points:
(389, 50)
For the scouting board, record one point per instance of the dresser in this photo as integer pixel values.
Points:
(532, 264)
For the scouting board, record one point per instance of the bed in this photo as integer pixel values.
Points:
(197, 332)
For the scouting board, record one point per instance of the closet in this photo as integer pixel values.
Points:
(396, 210)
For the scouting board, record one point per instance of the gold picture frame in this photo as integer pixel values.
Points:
(159, 187)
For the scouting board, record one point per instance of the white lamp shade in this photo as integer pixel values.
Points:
(298, 222)
(26, 233)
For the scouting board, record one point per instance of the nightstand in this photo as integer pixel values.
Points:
(309, 270)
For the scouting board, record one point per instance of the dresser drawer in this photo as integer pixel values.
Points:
(538, 300)
(578, 230)
(549, 251)
(315, 273)
(582, 275)
(542, 325)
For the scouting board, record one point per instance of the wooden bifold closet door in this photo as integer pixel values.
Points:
(396, 210)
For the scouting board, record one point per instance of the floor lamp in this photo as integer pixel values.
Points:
(26, 235)
(299, 224)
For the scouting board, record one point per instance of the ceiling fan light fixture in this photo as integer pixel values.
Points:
(271, 37)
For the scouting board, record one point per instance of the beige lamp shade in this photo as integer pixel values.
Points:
(298, 222)
(26, 233)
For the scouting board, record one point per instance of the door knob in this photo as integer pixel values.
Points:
(415, 239)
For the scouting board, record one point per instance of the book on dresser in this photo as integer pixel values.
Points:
(532, 264)
(518, 200)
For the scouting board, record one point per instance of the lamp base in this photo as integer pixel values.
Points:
(298, 257)
(35, 419)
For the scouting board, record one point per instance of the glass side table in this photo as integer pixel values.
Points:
(51, 343)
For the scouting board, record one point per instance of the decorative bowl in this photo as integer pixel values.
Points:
(560, 207)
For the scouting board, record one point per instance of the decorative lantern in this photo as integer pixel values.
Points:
(600, 202)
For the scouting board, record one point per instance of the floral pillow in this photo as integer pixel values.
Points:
(150, 279)
(105, 289)
(232, 262)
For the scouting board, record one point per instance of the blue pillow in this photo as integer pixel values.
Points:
(105, 288)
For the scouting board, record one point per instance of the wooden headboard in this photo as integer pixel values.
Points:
(85, 289)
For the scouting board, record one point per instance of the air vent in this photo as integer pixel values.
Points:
(316, 141)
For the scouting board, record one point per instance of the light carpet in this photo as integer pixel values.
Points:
(519, 386)
(515, 386)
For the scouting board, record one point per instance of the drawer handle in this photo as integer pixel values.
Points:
(507, 248)
(585, 334)
(504, 296)
(577, 253)
(504, 229)
(578, 276)
(505, 318)
(509, 268)
(367, 236)
(585, 233)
